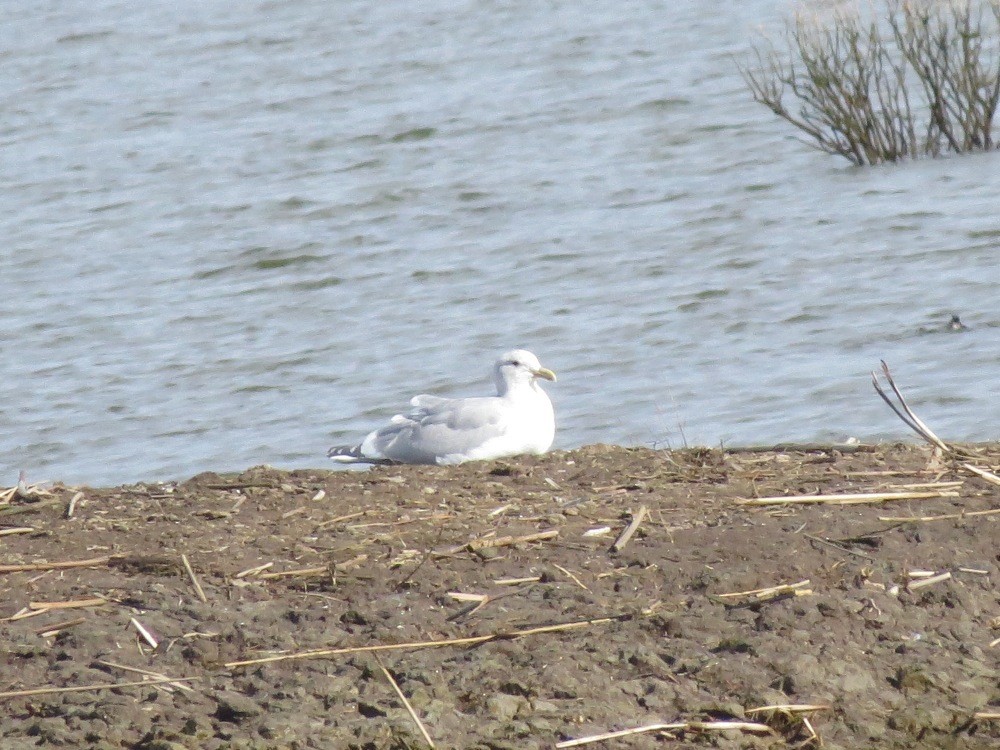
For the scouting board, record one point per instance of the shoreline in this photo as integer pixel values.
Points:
(509, 605)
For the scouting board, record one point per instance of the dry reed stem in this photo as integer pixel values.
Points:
(813, 734)
(340, 519)
(922, 582)
(95, 601)
(910, 419)
(16, 530)
(94, 687)
(848, 499)
(516, 581)
(92, 562)
(71, 506)
(194, 579)
(146, 635)
(840, 547)
(406, 703)
(158, 675)
(789, 708)
(460, 596)
(626, 535)
(299, 573)
(474, 602)
(945, 517)
(695, 726)
(40, 608)
(989, 476)
(27, 507)
(781, 588)
(415, 645)
(987, 715)
(254, 571)
(50, 630)
(576, 580)
(500, 541)
(933, 485)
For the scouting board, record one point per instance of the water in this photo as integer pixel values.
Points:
(239, 233)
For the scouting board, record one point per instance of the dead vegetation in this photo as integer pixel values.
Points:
(911, 79)
(599, 596)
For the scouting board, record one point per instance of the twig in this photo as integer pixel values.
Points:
(791, 708)
(40, 608)
(500, 541)
(95, 687)
(766, 592)
(339, 519)
(146, 635)
(910, 419)
(194, 579)
(27, 507)
(848, 499)
(16, 530)
(576, 580)
(409, 708)
(71, 507)
(415, 645)
(836, 546)
(50, 630)
(697, 726)
(920, 583)
(254, 571)
(945, 517)
(474, 603)
(516, 581)
(989, 476)
(158, 675)
(301, 573)
(423, 559)
(626, 535)
(94, 561)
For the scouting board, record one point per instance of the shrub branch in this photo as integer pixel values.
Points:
(863, 88)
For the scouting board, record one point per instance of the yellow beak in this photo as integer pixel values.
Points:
(545, 374)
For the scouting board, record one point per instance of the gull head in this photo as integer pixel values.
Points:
(519, 367)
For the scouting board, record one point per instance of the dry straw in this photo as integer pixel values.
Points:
(406, 703)
(416, 645)
(686, 726)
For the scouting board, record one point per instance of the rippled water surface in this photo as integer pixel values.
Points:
(236, 233)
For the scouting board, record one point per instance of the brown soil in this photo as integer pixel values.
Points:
(897, 666)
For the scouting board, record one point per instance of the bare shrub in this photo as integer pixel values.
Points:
(921, 79)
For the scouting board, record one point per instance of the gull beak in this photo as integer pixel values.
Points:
(545, 374)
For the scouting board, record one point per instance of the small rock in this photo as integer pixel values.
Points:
(544, 707)
(504, 707)
(233, 706)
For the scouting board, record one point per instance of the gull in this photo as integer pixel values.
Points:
(519, 419)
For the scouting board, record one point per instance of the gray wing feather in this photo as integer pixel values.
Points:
(438, 427)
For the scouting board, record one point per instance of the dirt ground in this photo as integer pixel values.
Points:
(414, 559)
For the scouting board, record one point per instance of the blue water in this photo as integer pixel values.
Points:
(239, 233)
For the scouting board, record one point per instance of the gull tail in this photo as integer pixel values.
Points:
(346, 454)
(352, 454)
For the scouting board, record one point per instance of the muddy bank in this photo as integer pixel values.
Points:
(416, 558)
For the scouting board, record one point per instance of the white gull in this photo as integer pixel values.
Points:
(519, 419)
